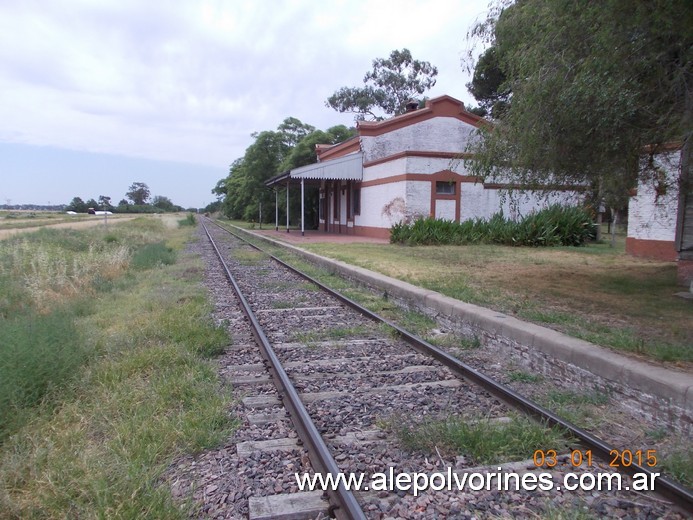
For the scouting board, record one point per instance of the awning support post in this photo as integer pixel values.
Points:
(288, 183)
(276, 209)
(303, 214)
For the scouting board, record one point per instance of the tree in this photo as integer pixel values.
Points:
(163, 203)
(305, 153)
(592, 84)
(77, 205)
(489, 86)
(105, 203)
(290, 146)
(388, 87)
(302, 154)
(138, 193)
(245, 189)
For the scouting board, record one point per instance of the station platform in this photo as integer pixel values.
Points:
(312, 236)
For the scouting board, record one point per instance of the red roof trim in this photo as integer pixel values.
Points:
(326, 153)
(443, 106)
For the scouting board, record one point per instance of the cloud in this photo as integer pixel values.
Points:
(190, 81)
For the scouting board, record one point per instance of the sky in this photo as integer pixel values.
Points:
(98, 94)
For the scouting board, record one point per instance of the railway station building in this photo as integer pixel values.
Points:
(403, 168)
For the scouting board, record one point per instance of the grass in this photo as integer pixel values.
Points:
(578, 407)
(152, 255)
(596, 292)
(25, 219)
(41, 353)
(189, 220)
(248, 257)
(483, 441)
(115, 382)
(519, 376)
(679, 465)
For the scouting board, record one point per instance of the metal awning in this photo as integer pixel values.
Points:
(349, 168)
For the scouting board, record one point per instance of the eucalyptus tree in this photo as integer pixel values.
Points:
(387, 88)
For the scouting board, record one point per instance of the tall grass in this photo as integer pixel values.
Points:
(99, 393)
(553, 226)
(49, 270)
(39, 354)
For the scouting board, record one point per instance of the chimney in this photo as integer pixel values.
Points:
(412, 105)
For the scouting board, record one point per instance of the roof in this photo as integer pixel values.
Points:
(441, 106)
(348, 167)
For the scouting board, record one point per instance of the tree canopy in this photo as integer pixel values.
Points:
(489, 86)
(138, 193)
(387, 88)
(591, 83)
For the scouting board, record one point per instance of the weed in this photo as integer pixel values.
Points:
(467, 343)
(574, 511)
(518, 376)
(568, 397)
(679, 465)
(484, 440)
(281, 304)
(40, 354)
(657, 434)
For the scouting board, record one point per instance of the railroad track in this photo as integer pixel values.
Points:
(357, 388)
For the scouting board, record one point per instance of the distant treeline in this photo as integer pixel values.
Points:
(32, 207)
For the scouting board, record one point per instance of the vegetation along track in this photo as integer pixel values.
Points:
(364, 396)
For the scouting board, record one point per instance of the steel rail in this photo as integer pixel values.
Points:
(673, 491)
(343, 503)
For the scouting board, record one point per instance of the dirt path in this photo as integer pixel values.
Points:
(77, 224)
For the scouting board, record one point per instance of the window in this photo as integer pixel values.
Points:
(445, 187)
(335, 201)
(355, 201)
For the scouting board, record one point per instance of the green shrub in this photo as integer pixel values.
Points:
(554, 226)
(189, 220)
(153, 255)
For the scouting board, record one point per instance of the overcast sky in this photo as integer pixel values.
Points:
(98, 94)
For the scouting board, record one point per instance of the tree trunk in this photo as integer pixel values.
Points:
(614, 221)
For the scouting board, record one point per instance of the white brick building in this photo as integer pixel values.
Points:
(405, 167)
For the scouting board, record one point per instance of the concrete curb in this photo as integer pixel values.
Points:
(674, 387)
